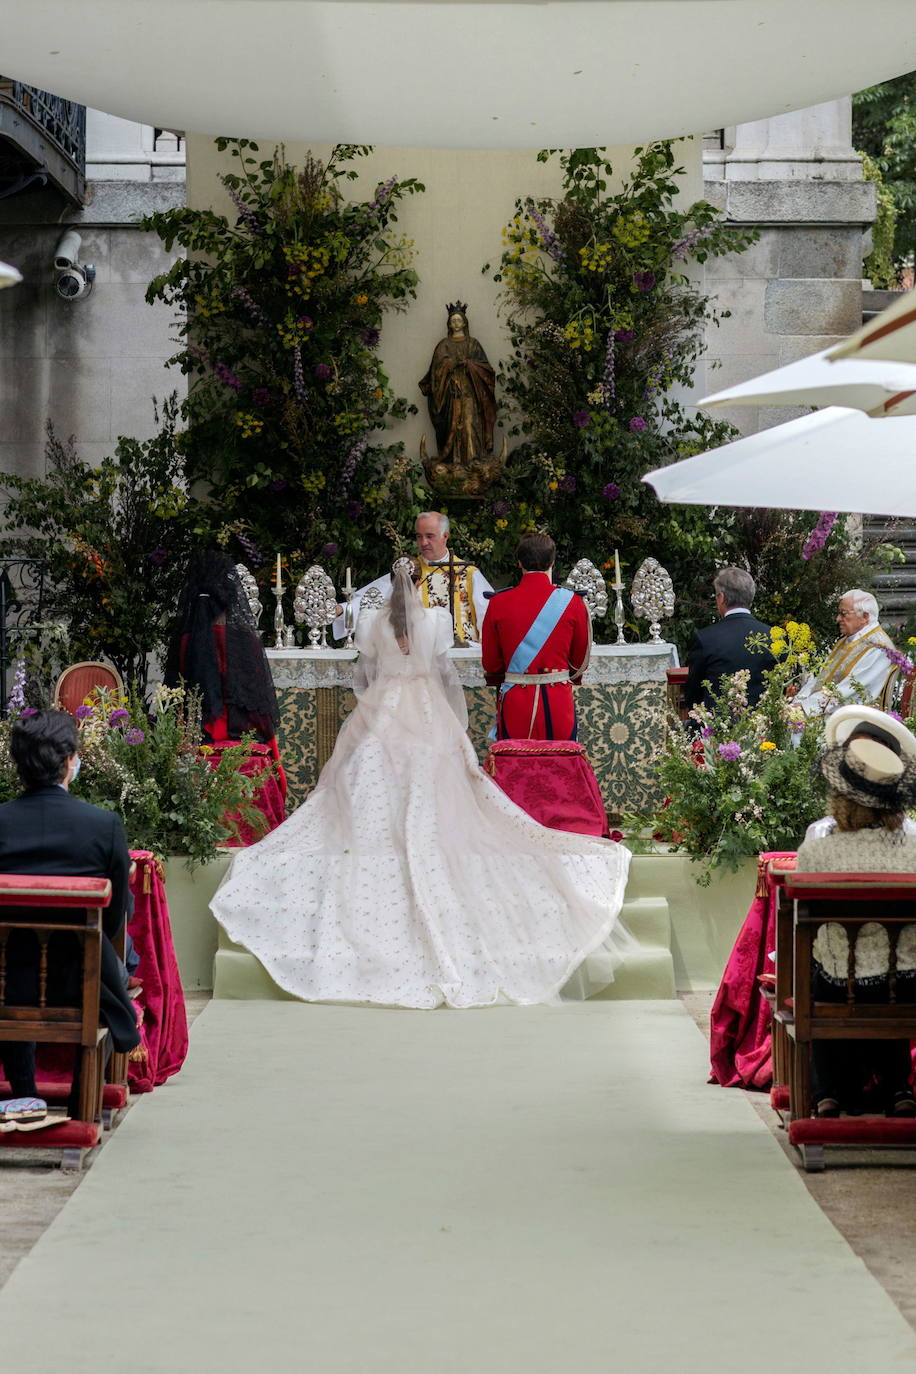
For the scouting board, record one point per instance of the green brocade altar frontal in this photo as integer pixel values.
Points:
(621, 707)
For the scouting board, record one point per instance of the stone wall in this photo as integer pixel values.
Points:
(799, 289)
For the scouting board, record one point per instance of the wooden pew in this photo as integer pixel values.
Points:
(807, 901)
(47, 906)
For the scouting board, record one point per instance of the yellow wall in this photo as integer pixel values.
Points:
(456, 225)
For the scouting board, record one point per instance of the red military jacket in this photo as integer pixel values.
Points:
(509, 616)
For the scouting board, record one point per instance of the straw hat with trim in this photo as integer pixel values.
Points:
(847, 721)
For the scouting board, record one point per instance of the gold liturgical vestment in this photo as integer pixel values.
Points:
(434, 589)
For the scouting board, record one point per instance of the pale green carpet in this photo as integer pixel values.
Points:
(512, 1191)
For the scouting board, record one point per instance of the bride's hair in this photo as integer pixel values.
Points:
(405, 574)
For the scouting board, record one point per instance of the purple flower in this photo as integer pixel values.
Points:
(729, 751)
(322, 372)
(895, 715)
(608, 376)
(819, 535)
(118, 717)
(250, 304)
(637, 423)
(706, 732)
(624, 335)
(227, 376)
(644, 281)
(279, 484)
(245, 211)
(551, 243)
(568, 483)
(349, 467)
(261, 396)
(370, 337)
(158, 556)
(354, 509)
(134, 735)
(500, 507)
(580, 419)
(329, 549)
(898, 659)
(30, 711)
(251, 549)
(83, 712)
(306, 322)
(610, 492)
(690, 241)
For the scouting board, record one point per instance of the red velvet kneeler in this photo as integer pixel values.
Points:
(552, 780)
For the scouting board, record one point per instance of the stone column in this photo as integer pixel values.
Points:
(799, 289)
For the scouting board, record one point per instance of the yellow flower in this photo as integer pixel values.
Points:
(378, 393)
(501, 524)
(362, 299)
(553, 485)
(768, 744)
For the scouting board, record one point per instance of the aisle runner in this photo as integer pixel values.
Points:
(507, 1191)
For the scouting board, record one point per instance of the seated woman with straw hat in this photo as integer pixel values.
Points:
(869, 764)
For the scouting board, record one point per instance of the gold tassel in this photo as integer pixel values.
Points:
(138, 1055)
(763, 880)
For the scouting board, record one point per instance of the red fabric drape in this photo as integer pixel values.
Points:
(739, 1026)
(165, 1025)
(552, 780)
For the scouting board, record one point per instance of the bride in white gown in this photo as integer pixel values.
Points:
(408, 878)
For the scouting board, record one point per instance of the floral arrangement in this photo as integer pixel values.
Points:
(150, 768)
(282, 316)
(742, 780)
(606, 322)
(113, 540)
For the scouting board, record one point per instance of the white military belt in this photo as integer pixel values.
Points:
(535, 679)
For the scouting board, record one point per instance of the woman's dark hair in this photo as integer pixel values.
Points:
(41, 745)
(536, 552)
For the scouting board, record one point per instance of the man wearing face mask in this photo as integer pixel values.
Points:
(46, 831)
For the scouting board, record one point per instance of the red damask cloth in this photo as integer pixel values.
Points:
(164, 1030)
(270, 798)
(552, 780)
(739, 1026)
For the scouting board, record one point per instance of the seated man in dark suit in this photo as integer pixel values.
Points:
(45, 830)
(723, 648)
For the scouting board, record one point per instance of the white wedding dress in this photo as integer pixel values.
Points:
(408, 878)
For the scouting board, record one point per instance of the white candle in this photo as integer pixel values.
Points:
(348, 584)
(279, 582)
(617, 581)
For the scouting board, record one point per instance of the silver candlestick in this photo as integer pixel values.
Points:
(619, 617)
(349, 620)
(279, 622)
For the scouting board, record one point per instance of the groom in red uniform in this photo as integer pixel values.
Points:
(535, 644)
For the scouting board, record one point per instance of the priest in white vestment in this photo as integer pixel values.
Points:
(860, 659)
(439, 574)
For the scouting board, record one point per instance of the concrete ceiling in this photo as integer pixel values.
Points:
(455, 73)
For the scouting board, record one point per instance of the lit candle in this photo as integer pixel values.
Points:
(617, 581)
(279, 582)
(348, 584)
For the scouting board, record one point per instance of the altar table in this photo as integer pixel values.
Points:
(621, 707)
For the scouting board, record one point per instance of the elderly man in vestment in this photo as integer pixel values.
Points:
(444, 581)
(860, 659)
(536, 644)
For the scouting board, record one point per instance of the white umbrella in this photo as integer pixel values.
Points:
(879, 388)
(891, 335)
(9, 276)
(460, 74)
(836, 459)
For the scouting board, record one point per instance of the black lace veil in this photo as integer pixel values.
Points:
(237, 679)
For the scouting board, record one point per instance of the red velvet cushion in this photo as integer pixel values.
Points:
(23, 889)
(845, 1130)
(72, 1135)
(552, 780)
(856, 887)
(779, 1099)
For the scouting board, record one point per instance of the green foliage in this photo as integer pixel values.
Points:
(152, 770)
(282, 312)
(606, 324)
(879, 265)
(114, 539)
(884, 127)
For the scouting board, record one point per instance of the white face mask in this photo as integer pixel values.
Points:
(77, 762)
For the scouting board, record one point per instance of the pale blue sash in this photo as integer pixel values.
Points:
(548, 617)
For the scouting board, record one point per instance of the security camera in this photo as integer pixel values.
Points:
(73, 280)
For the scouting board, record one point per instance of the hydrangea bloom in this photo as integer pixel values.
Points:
(729, 751)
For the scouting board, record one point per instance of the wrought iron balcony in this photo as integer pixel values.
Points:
(42, 138)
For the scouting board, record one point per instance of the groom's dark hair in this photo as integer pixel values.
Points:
(536, 552)
(41, 744)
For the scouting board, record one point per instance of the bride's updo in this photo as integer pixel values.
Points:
(405, 575)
